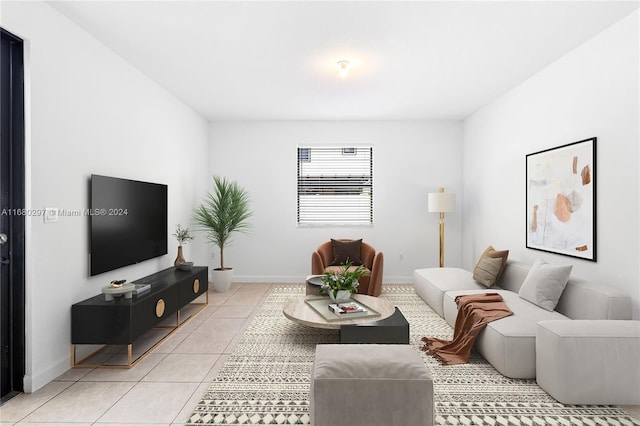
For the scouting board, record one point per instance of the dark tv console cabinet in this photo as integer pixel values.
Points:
(120, 322)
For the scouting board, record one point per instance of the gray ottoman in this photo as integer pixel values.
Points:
(589, 361)
(370, 385)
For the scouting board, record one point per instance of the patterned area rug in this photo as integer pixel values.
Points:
(267, 377)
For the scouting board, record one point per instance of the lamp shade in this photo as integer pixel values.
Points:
(442, 202)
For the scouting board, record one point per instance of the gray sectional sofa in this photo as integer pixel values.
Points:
(509, 344)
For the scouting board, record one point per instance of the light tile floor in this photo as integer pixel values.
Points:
(164, 387)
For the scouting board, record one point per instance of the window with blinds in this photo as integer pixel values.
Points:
(335, 185)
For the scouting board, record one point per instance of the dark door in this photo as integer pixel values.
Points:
(12, 215)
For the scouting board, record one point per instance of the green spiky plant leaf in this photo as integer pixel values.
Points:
(224, 211)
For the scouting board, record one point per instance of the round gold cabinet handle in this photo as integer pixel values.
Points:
(196, 285)
(160, 308)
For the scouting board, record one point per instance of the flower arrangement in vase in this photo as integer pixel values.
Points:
(183, 235)
(341, 285)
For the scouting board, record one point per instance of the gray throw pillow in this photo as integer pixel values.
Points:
(545, 283)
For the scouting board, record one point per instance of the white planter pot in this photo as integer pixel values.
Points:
(342, 296)
(221, 279)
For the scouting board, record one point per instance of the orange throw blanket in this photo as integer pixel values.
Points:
(475, 311)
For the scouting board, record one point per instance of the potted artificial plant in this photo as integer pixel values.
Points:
(340, 285)
(224, 211)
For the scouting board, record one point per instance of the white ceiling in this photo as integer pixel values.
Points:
(263, 60)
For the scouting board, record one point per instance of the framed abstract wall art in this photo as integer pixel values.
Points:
(561, 200)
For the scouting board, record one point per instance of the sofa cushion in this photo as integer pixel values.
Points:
(589, 361)
(545, 283)
(432, 283)
(343, 250)
(513, 275)
(509, 344)
(588, 300)
(490, 266)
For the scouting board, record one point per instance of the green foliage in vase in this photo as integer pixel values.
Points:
(183, 235)
(346, 279)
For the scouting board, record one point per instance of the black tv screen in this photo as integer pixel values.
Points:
(128, 222)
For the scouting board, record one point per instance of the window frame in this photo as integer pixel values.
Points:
(343, 184)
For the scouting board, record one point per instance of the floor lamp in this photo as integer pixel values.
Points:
(441, 202)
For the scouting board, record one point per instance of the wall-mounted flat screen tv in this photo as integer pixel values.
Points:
(128, 222)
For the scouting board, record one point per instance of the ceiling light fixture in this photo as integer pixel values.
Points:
(343, 68)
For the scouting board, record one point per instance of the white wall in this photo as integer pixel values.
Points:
(592, 91)
(90, 112)
(411, 159)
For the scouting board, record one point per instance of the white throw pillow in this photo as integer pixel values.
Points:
(545, 283)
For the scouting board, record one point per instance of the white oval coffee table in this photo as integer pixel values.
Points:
(298, 310)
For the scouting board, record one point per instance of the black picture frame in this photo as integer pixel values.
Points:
(561, 200)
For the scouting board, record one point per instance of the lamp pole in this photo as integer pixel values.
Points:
(439, 202)
(441, 235)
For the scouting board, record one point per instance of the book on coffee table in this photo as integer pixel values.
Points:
(347, 309)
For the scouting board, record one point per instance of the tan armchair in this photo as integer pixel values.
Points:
(324, 259)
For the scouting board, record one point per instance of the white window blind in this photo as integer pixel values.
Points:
(335, 185)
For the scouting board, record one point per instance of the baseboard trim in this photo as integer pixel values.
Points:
(33, 382)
